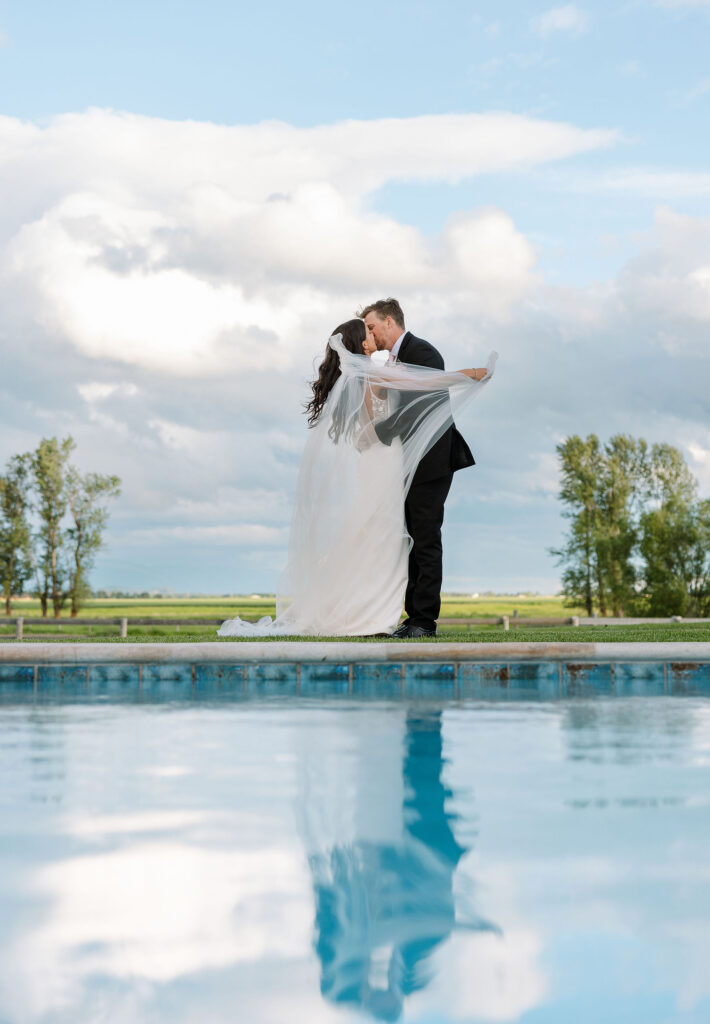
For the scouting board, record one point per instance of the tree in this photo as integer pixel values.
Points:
(699, 587)
(675, 539)
(638, 538)
(15, 554)
(620, 488)
(600, 488)
(60, 555)
(49, 468)
(669, 478)
(580, 467)
(86, 496)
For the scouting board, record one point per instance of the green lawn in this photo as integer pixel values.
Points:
(453, 606)
(483, 634)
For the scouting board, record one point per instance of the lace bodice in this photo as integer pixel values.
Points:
(380, 408)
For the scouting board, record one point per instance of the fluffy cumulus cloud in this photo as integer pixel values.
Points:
(167, 287)
(187, 247)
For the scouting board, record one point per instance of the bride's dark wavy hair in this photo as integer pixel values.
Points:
(353, 334)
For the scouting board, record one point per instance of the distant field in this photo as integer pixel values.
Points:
(453, 606)
(160, 608)
(207, 607)
(534, 606)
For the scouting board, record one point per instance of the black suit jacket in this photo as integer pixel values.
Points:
(450, 452)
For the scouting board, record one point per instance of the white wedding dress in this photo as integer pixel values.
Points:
(349, 549)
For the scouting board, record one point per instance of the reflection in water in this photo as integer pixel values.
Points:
(153, 871)
(382, 908)
(624, 733)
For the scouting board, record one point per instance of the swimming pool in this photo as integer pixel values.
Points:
(200, 671)
(428, 842)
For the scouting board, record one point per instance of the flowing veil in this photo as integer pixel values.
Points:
(348, 546)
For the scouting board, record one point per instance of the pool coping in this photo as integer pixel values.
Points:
(344, 652)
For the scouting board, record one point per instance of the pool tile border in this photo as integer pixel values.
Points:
(446, 672)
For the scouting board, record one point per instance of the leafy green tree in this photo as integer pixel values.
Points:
(675, 539)
(620, 489)
(675, 543)
(580, 467)
(87, 496)
(600, 489)
(15, 543)
(49, 467)
(699, 587)
(638, 537)
(668, 476)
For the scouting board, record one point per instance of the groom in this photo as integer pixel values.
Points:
(424, 505)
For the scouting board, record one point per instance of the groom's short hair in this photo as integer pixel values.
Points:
(384, 308)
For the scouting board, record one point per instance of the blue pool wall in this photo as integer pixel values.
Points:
(391, 680)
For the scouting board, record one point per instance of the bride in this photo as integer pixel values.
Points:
(348, 549)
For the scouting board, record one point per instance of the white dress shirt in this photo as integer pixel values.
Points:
(395, 348)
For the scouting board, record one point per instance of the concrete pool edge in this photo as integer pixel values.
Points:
(248, 652)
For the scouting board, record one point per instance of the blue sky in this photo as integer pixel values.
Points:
(312, 63)
(593, 213)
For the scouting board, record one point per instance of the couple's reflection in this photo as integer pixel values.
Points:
(382, 906)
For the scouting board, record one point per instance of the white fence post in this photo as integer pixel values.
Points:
(124, 628)
(19, 627)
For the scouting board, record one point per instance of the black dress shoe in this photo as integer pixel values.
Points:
(401, 632)
(414, 632)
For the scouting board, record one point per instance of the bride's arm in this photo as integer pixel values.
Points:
(370, 390)
(411, 381)
(476, 373)
(366, 435)
(368, 399)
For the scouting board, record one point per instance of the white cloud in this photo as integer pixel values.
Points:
(234, 535)
(173, 284)
(492, 977)
(95, 391)
(561, 19)
(136, 928)
(188, 162)
(670, 279)
(187, 247)
(698, 448)
(652, 182)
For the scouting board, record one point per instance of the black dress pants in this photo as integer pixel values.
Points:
(424, 514)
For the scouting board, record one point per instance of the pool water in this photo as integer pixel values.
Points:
(304, 859)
